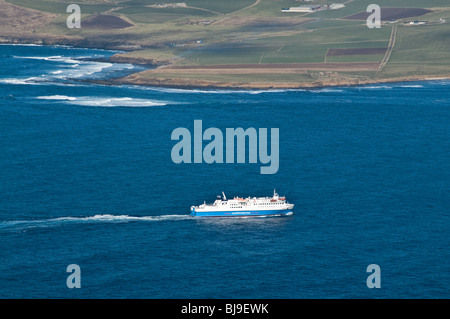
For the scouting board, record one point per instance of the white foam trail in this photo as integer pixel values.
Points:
(106, 218)
(120, 218)
(115, 102)
(57, 97)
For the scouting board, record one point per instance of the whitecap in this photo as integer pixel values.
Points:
(97, 67)
(412, 86)
(116, 102)
(375, 87)
(46, 58)
(82, 68)
(26, 81)
(327, 90)
(23, 44)
(13, 81)
(216, 91)
(57, 97)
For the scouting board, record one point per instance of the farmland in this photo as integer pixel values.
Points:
(249, 41)
(392, 13)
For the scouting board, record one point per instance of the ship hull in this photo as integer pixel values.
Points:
(249, 213)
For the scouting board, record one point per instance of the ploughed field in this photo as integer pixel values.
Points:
(237, 40)
(356, 51)
(391, 14)
(105, 22)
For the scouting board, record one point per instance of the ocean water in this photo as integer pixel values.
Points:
(87, 179)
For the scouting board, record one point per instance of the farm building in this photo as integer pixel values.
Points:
(335, 6)
(311, 8)
(418, 22)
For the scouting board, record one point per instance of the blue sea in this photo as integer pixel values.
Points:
(87, 178)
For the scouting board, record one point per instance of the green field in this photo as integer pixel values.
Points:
(206, 32)
(59, 7)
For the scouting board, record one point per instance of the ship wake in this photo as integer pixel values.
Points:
(106, 218)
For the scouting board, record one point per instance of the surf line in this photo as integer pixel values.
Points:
(213, 152)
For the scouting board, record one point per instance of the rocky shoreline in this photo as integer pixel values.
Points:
(83, 43)
(195, 83)
(120, 58)
(186, 83)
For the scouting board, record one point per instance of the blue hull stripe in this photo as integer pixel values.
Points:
(241, 213)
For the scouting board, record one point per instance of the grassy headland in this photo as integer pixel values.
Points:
(247, 43)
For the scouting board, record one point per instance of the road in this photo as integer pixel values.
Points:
(389, 49)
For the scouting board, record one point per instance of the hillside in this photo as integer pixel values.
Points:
(246, 43)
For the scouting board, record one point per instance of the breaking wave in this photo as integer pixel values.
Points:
(115, 102)
(216, 91)
(412, 86)
(104, 101)
(63, 68)
(327, 90)
(55, 58)
(23, 44)
(57, 97)
(390, 86)
(21, 81)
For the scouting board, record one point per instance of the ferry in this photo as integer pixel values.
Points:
(244, 207)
